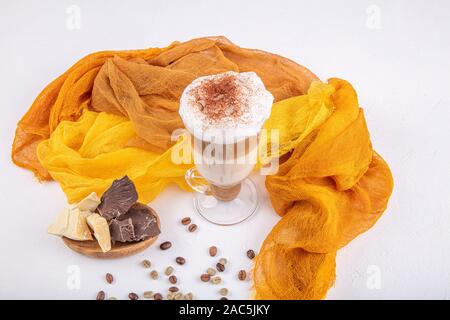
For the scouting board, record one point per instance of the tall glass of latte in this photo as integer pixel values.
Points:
(224, 114)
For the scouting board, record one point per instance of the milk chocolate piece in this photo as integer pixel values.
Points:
(122, 230)
(139, 223)
(118, 199)
(144, 221)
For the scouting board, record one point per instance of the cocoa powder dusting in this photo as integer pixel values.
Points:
(219, 98)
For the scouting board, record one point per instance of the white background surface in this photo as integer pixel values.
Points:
(398, 65)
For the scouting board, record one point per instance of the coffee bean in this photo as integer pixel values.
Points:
(174, 289)
(192, 228)
(158, 296)
(133, 296)
(146, 264)
(154, 274)
(242, 275)
(180, 260)
(223, 291)
(223, 261)
(173, 279)
(220, 267)
(165, 245)
(205, 277)
(109, 278)
(185, 221)
(112, 298)
(224, 298)
(178, 296)
(100, 295)
(148, 294)
(168, 271)
(216, 280)
(211, 271)
(250, 254)
(189, 296)
(213, 251)
(170, 296)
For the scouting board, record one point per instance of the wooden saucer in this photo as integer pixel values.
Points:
(92, 249)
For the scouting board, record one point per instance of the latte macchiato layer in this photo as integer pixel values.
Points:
(225, 112)
(225, 165)
(228, 106)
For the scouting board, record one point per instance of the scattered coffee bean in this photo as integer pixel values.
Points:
(148, 294)
(168, 271)
(220, 267)
(223, 261)
(174, 289)
(178, 296)
(224, 298)
(165, 245)
(180, 260)
(193, 227)
(100, 295)
(185, 221)
(170, 296)
(189, 296)
(112, 298)
(213, 251)
(158, 296)
(223, 292)
(211, 271)
(205, 277)
(109, 278)
(242, 275)
(173, 279)
(133, 296)
(250, 254)
(216, 280)
(146, 264)
(154, 274)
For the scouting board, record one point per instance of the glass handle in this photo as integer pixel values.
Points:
(195, 180)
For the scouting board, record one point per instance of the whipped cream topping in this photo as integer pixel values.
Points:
(231, 103)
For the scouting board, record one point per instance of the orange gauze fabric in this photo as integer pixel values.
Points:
(145, 85)
(332, 186)
(62, 99)
(148, 92)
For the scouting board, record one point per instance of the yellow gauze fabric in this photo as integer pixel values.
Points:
(330, 187)
(87, 155)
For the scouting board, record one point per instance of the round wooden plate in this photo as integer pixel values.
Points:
(118, 250)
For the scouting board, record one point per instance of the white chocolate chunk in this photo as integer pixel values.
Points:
(77, 228)
(90, 203)
(71, 223)
(101, 231)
